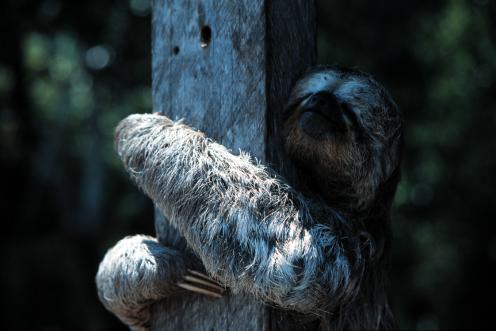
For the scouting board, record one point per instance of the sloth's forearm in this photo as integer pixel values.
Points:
(252, 232)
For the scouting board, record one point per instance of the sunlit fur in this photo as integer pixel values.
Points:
(253, 232)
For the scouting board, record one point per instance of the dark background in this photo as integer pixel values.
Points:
(70, 70)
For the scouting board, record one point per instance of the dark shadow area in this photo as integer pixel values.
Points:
(69, 71)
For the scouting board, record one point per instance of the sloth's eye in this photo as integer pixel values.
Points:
(294, 105)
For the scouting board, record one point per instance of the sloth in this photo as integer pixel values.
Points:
(317, 247)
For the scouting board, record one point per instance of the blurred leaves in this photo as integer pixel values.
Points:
(438, 59)
(64, 86)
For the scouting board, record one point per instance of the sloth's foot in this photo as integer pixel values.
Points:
(138, 271)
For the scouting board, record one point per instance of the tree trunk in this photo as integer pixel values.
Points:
(227, 67)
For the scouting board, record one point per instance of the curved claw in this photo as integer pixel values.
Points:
(200, 283)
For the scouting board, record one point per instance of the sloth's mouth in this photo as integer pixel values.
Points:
(322, 116)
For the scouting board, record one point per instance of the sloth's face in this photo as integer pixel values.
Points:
(343, 128)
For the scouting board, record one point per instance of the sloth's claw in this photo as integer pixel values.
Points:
(200, 283)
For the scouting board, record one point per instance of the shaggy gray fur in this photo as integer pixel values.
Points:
(252, 231)
(131, 277)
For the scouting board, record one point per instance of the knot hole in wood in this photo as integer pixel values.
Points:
(205, 36)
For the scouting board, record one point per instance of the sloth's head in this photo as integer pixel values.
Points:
(344, 133)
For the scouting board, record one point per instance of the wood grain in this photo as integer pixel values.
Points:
(226, 67)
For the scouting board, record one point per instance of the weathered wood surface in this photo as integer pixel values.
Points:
(226, 67)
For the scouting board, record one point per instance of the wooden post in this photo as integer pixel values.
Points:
(226, 67)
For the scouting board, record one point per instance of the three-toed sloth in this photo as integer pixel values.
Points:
(320, 246)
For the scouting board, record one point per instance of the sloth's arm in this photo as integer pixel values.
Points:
(135, 273)
(252, 232)
(138, 271)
